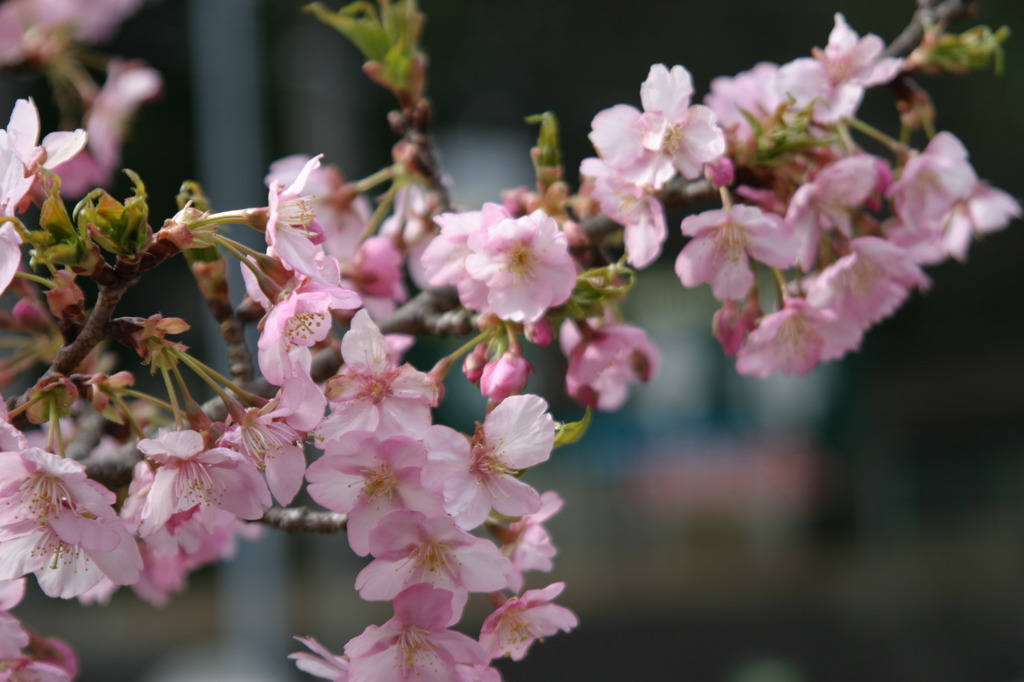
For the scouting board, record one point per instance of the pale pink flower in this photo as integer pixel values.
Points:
(191, 475)
(838, 75)
(128, 86)
(723, 243)
(477, 475)
(301, 317)
(273, 446)
(10, 252)
(527, 543)
(931, 184)
(752, 93)
(415, 645)
(321, 663)
(367, 477)
(604, 361)
(373, 394)
(986, 209)
(869, 283)
(513, 628)
(825, 203)
(376, 273)
(411, 548)
(60, 525)
(13, 637)
(22, 137)
(795, 339)
(637, 209)
(292, 229)
(444, 259)
(524, 264)
(669, 136)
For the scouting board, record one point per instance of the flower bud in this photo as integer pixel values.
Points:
(504, 376)
(540, 333)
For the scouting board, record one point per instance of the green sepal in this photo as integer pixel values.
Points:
(570, 432)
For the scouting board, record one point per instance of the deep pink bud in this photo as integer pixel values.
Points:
(504, 376)
(540, 332)
(720, 172)
(473, 365)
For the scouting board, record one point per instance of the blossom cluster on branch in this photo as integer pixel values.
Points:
(103, 485)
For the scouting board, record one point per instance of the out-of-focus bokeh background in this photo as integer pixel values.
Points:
(864, 522)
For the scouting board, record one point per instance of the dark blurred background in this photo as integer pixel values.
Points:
(864, 522)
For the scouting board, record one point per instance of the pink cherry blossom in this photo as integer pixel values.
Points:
(604, 361)
(931, 184)
(265, 437)
(824, 203)
(752, 93)
(60, 525)
(513, 628)
(723, 243)
(670, 135)
(839, 74)
(373, 394)
(795, 339)
(292, 229)
(869, 284)
(730, 324)
(411, 548)
(415, 645)
(527, 543)
(366, 477)
(525, 265)
(637, 209)
(191, 475)
(321, 663)
(477, 475)
(301, 317)
(375, 271)
(10, 252)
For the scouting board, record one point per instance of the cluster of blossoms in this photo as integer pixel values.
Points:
(839, 234)
(843, 231)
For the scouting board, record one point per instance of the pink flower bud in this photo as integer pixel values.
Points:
(730, 325)
(720, 172)
(28, 313)
(473, 365)
(540, 332)
(505, 376)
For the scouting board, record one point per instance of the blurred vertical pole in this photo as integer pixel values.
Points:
(225, 42)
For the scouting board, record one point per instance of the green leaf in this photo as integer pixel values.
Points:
(570, 432)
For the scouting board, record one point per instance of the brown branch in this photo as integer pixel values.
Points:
(293, 519)
(928, 12)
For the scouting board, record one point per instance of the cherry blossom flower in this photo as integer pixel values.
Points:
(825, 203)
(191, 475)
(795, 339)
(527, 543)
(869, 284)
(670, 135)
(605, 361)
(722, 242)
(372, 393)
(321, 663)
(525, 265)
(520, 621)
(477, 475)
(366, 477)
(301, 317)
(931, 184)
(411, 548)
(292, 229)
(60, 525)
(22, 137)
(639, 211)
(265, 437)
(415, 644)
(749, 93)
(444, 259)
(838, 75)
